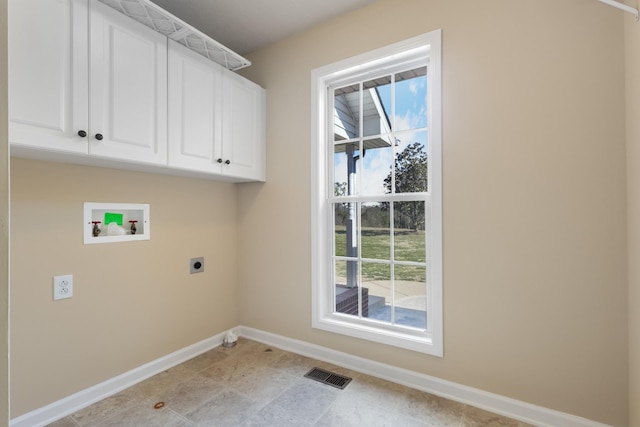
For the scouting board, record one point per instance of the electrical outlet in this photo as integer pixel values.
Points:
(62, 287)
(196, 265)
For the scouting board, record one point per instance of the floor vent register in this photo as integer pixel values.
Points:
(329, 378)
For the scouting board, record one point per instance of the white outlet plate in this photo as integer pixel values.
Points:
(62, 287)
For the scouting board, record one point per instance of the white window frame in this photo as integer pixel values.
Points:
(428, 46)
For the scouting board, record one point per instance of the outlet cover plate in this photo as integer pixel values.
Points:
(196, 265)
(62, 287)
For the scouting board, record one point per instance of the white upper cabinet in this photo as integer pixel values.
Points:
(128, 91)
(195, 110)
(52, 80)
(243, 128)
(90, 85)
(48, 74)
(216, 118)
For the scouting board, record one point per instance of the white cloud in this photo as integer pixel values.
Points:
(377, 166)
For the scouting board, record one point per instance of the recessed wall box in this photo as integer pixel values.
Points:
(116, 222)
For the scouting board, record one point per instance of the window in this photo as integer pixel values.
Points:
(377, 196)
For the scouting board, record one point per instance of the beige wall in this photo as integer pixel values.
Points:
(535, 280)
(632, 55)
(133, 302)
(4, 224)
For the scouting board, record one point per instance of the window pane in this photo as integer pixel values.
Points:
(376, 167)
(376, 279)
(411, 163)
(345, 159)
(340, 215)
(340, 272)
(409, 231)
(375, 234)
(411, 99)
(347, 293)
(376, 106)
(346, 112)
(410, 296)
(345, 233)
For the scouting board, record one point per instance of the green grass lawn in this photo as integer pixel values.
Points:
(409, 246)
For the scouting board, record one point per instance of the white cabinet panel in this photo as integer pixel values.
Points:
(243, 127)
(194, 110)
(48, 74)
(128, 88)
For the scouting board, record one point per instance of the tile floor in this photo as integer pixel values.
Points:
(253, 384)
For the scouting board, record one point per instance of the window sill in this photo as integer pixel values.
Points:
(421, 342)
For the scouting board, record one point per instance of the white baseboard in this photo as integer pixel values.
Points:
(506, 406)
(498, 404)
(71, 404)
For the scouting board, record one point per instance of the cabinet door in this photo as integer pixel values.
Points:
(194, 110)
(243, 128)
(48, 74)
(128, 92)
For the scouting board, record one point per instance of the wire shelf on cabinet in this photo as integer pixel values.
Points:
(161, 21)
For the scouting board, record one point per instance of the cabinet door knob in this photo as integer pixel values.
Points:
(82, 133)
(227, 162)
(99, 136)
(219, 160)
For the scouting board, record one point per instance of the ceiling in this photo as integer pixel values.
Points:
(248, 25)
